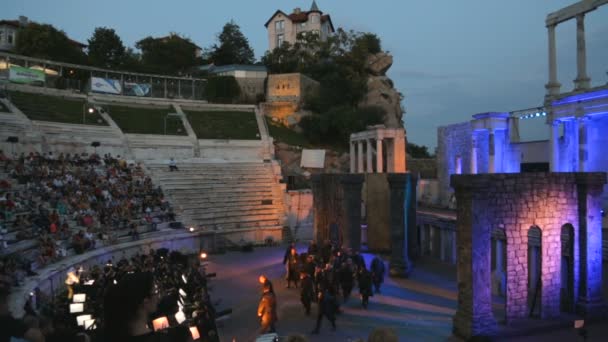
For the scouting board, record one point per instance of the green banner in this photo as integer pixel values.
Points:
(19, 74)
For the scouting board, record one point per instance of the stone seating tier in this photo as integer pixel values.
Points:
(222, 196)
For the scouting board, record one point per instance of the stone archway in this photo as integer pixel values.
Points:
(534, 270)
(567, 299)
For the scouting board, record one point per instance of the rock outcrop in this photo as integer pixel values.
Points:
(380, 90)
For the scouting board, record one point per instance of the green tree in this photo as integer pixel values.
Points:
(169, 55)
(106, 49)
(233, 47)
(222, 89)
(418, 151)
(45, 41)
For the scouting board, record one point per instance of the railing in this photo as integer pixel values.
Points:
(77, 78)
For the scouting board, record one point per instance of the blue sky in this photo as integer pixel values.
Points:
(452, 58)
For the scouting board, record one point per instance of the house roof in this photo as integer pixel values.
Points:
(314, 7)
(232, 67)
(14, 23)
(301, 17)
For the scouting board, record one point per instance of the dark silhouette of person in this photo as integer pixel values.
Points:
(267, 310)
(327, 308)
(378, 270)
(307, 294)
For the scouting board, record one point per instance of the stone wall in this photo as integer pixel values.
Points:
(452, 141)
(251, 88)
(299, 205)
(376, 198)
(515, 203)
(328, 196)
(290, 87)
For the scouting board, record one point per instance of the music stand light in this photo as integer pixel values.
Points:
(80, 319)
(76, 308)
(194, 332)
(79, 298)
(160, 323)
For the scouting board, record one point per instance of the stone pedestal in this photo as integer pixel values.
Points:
(400, 195)
(351, 229)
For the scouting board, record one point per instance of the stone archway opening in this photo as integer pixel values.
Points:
(567, 299)
(499, 273)
(534, 271)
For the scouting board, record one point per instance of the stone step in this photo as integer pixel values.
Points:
(241, 220)
(237, 225)
(222, 178)
(218, 212)
(236, 189)
(241, 206)
(227, 192)
(235, 216)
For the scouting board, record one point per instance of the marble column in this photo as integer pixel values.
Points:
(492, 158)
(474, 154)
(399, 264)
(353, 158)
(553, 85)
(554, 147)
(582, 80)
(582, 144)
(370, 156)
(379, 161)
(589, 191)
(351, 230)
(360, 157)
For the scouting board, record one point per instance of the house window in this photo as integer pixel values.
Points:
(280, 39)
(279, 26)
(9, 37)
(314, 19)
(1, 35)
(303, 25)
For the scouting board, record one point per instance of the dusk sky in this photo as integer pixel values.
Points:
(452, 58)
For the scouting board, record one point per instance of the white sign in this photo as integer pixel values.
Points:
(105, 85)
(313, 159)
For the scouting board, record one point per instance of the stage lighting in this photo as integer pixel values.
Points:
(203, 255)
(262, 279)
(115, 282)
(184, 279)
(76, 308)
(80, 319)
(191, 229)
(80, 297)
(160, 323)
(194, 332)
(180, 317)
(91, 110)
(89, 282)
(182, 293)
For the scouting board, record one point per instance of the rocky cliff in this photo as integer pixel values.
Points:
(380, 90)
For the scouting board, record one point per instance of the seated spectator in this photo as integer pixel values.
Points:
(173, 165)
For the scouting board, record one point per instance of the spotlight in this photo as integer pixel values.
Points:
(191, 229)
(184, 279)
(537, 114)
(115, 282)
(194, 332)
(91, 110)
(79, 297)
(182, 292)
(180, 317)
(160, 323)
(80, 319)
(203, 255)
(75, 308)
(544, 113)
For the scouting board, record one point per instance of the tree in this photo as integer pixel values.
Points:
(106, 49)
(234, 47)
(418, 151)
(169, 55)
(45, 41)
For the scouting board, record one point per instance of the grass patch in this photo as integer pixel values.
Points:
(224, 124)
(284, 134)
(55, 108)
(146, 120)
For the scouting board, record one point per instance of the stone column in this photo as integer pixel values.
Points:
(474, 313)
(589, 191)
(399, 265)
(473, 154)
(491, 159)
(351, 229)
(370, 156)
(353, 158)
(582, 143)
(360, 157)
(553, 85)
(582, 80)
(379, 155)
(554, 147)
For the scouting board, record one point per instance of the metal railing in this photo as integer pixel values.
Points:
(67, 76)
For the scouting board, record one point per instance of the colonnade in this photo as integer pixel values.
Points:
(378, 142)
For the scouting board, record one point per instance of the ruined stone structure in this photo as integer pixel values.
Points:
(387, 156)
(550, 225)
(285, 95)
